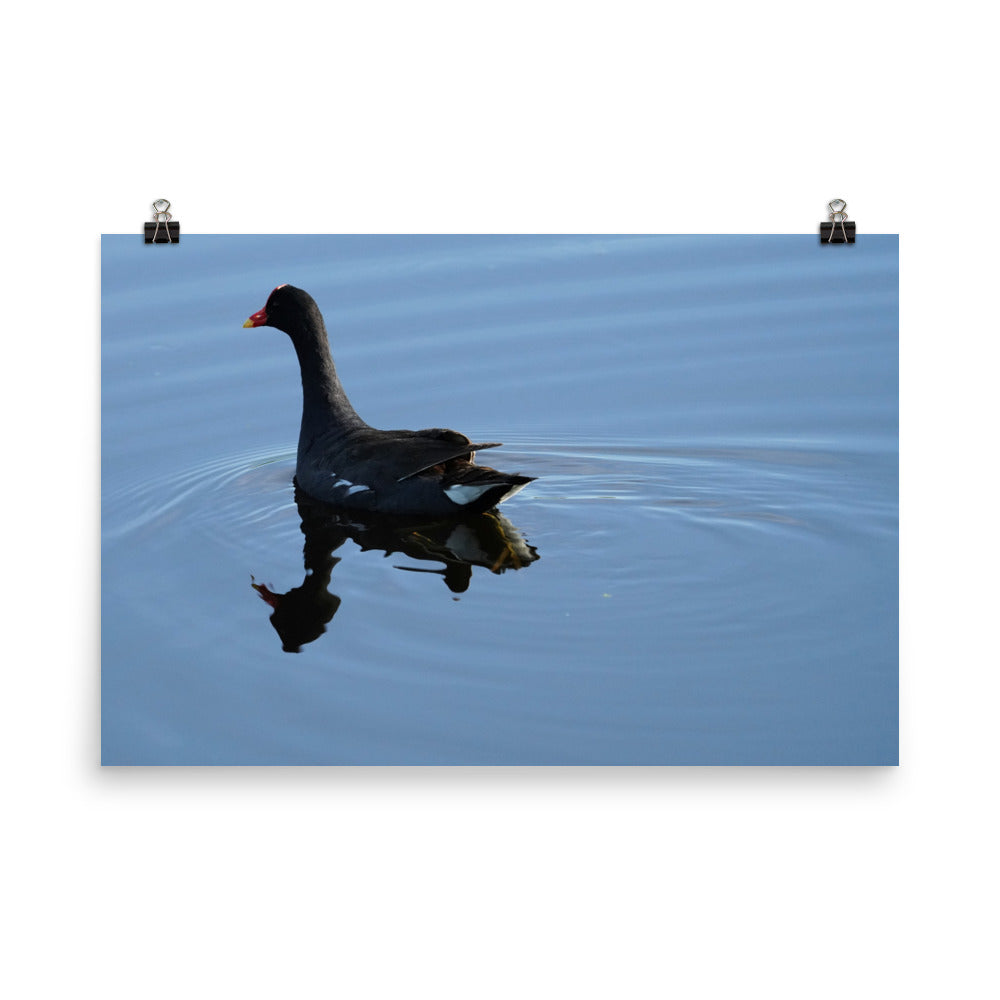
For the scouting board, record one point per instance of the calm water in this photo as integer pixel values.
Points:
(705, 571)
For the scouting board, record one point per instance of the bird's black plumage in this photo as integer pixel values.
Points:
(343, 461)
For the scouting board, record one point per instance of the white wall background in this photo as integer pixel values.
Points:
(516, 117)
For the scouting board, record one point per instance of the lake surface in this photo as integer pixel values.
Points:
(704, 572)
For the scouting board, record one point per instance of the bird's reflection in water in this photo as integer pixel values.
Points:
(301, 615)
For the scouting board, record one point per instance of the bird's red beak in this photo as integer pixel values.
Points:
(259, 318)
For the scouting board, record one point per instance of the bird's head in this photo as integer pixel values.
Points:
(287, 309)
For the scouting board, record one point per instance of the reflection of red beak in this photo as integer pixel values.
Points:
(259, 318)
(268, 596)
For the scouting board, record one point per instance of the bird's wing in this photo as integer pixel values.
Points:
(403, 454)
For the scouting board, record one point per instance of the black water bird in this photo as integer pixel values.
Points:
(345, 462)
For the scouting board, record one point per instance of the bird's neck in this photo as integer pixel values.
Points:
(325, 405)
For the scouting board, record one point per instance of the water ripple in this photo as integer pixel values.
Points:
(780, 487)
(226, 490)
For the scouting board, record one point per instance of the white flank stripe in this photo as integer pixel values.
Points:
(351, 487)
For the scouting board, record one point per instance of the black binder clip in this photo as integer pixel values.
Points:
(162, 230)
(838, 217)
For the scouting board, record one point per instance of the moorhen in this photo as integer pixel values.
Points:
(344, 462)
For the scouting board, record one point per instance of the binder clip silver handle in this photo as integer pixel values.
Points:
(838, 217)
(837, 214)
(162, 217)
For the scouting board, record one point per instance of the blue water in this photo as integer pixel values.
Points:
(704, 572)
